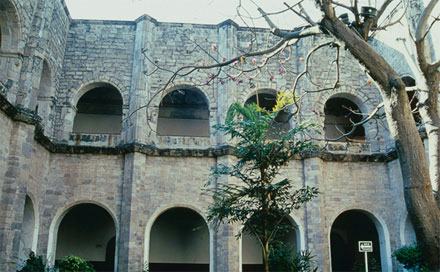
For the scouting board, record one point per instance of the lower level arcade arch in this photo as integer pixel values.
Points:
(179, 241)
(88, 231)
(29, 232)
(347, 230)
(251, 252)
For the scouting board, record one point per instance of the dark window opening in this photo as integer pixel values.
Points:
(183, 112)
(412, 96)
(99, 111)
(340, 115)
(268, 102)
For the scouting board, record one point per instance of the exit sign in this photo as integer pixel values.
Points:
(365, 246)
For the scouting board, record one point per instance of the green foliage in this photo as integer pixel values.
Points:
(73, 263)
(373, 265)
(411, 257)
(34, 264)
(284, 258)
(259, 202)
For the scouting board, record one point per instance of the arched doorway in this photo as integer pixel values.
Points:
(251, 252)
(347, 230)
(88, 231)
(99, 111)
(179, 241)
(183, 112)
(28, 233)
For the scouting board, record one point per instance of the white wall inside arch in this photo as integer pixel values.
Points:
(179, 235)
(85, 232)
(10, 28)
(251, 252)
(28, 231)
(408, 233)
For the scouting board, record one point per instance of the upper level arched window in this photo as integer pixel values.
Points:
(340, 115)
(99, 111)
(42, 106)
(412, 96)
(267, 100)
(9, 26)
(183, 112)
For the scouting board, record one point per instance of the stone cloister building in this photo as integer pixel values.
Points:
(85, 170)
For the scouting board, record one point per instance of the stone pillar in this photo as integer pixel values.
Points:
(13, 193)
(225, 91)
(29, 82)
(136, 126)
(314, 215)
(226, 245)
(131, 232)
(226, 249)
(33, 61)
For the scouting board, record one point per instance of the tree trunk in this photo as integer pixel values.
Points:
(429, 112)
(266, 256)
(419, 199)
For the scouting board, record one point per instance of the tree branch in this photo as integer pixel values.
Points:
(306, 17)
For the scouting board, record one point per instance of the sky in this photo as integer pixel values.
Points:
(187, 11)
(207, 12)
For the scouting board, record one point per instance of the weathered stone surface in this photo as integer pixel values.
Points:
(138, 175)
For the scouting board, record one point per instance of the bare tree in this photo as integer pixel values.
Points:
(420, 200)
(354, 36)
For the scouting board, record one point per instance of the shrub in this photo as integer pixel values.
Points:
(73, 263)
(411, 257)
(34, 264)
(283, 257)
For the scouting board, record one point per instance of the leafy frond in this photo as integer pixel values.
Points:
(259, 201)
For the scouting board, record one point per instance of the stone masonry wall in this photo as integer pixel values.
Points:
(96, 51)
(147, 174)
(77, 179)
(5, 137)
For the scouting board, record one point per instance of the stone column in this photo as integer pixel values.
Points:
(227, 35)
(13, 193)
(226, 245)
(314, 215)
(132, 219)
